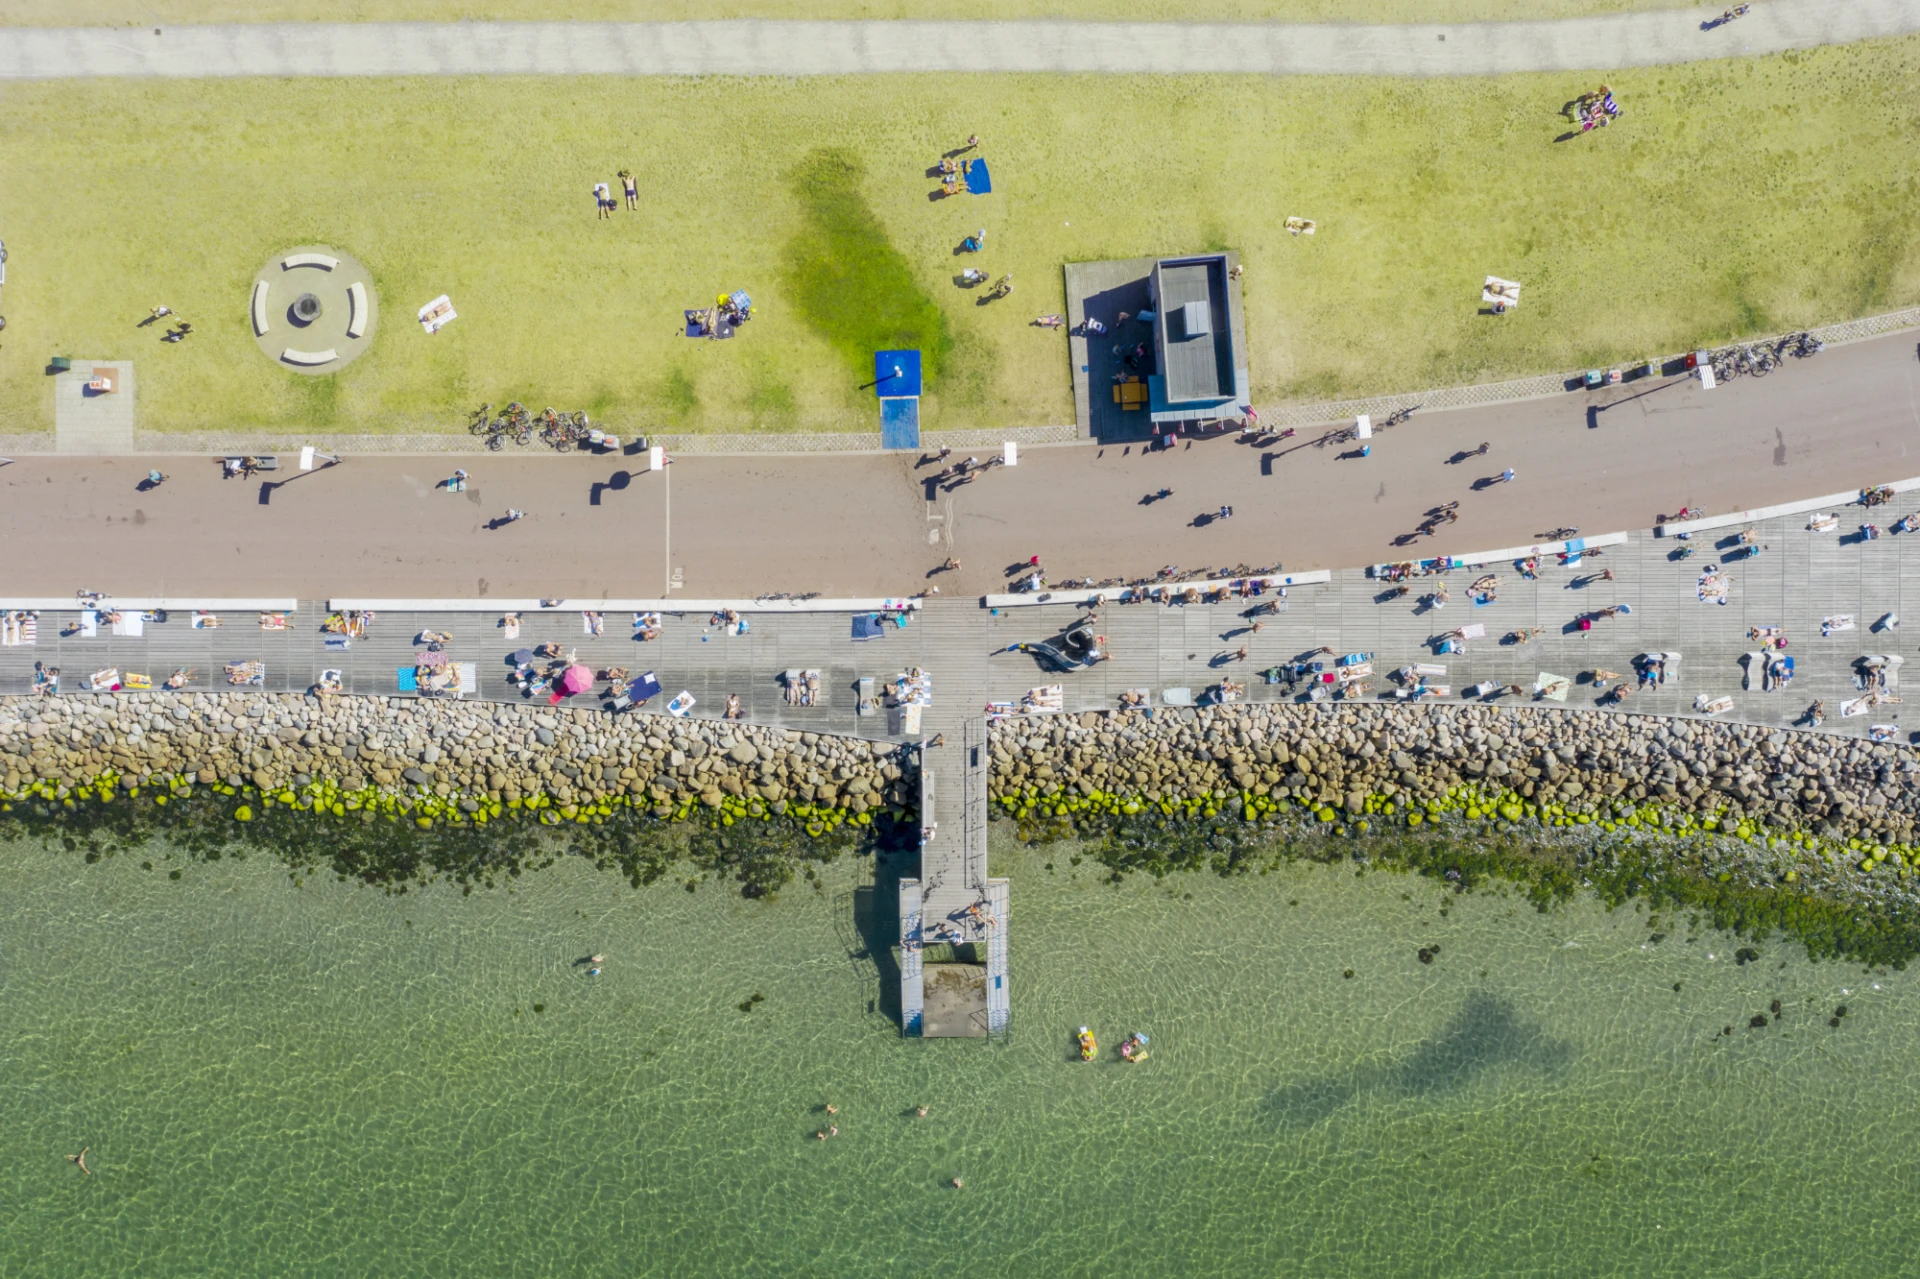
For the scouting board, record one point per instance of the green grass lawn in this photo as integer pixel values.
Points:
(1734, 197)
(147, 13)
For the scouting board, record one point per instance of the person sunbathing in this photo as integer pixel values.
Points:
(547, 650)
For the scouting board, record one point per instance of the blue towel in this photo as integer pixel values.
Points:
(979, 181)
(866, 626)
(408, 684)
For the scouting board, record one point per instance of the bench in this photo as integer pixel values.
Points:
(320, 260)
(292, 356)
(260, 308)
(357, 318)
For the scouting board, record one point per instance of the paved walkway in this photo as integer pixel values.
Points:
(866, 526)
(754, 47)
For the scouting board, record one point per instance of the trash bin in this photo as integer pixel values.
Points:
(59, 364)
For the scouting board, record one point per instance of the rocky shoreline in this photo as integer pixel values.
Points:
(1837, 804)
(1749, 808)
(455, 755)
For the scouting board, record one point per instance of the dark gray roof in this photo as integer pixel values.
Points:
(1197, 365)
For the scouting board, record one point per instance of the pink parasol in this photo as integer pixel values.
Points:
(577, 679)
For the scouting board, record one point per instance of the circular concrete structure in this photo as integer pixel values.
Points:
(312, 309)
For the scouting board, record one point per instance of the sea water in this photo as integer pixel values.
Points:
(283, 1079)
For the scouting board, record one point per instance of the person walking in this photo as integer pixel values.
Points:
(1226, 513)
(1506, 476)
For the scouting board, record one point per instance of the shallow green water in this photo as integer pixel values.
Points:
(324, 1080)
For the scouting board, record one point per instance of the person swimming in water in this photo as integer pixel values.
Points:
(920, 1112)
(832, 1109)
(81, 1159)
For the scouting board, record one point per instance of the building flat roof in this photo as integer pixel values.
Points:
(1197, 366)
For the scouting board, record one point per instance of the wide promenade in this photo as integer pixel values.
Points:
(757, 47)
(868, 526)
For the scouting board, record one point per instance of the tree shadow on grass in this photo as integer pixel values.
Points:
(1485, 1035)
(848, 281)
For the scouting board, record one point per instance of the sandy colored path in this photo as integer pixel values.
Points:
(761, 47)
(862, 525)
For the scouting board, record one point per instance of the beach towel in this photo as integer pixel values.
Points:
(437, 314)
(338, 643)
(408, 682)
(979, 181)
(696, 323)
(866, 626)
(510, 627)
(131, 624)
(89, 624)
(646, 686)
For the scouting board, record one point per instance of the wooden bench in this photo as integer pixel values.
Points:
(320, 260)
(357, 317)
(260, 308)
(292, 356)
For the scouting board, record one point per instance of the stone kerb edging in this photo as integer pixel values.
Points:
(1804, 507)
(876, 605)
(1477, 558)
(1156, 593)
(109, 603)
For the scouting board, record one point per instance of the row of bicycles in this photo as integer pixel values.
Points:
(1761, 358)
(516, 423)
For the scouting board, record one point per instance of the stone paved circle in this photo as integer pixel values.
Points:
(303, 304)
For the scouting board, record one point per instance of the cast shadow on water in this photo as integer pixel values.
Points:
(1485, 1034)
(868, 922)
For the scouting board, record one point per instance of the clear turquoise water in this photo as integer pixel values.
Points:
(324, 1080)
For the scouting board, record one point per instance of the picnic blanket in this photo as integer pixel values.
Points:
(979, 181)
(648, 685)
(866, 626)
